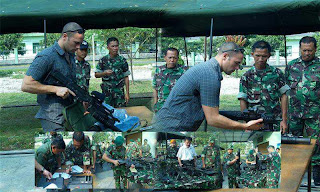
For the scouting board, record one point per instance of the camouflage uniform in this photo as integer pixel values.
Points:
(113, 86)
(213, 160)
(304, 81)
(119, 172)
(273, 169)
(230, 168)
(82, 155)
(262, 90)
(172, 152)
(163, 81)
(83, 74)
(146, 150)
(133, 150)
(46, 158)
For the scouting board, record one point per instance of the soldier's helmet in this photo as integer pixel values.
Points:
(211, 140)
(119, 141)
(230, 146)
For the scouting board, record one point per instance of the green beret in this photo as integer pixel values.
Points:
(119, 141)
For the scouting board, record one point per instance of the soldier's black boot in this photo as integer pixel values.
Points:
(316, 175)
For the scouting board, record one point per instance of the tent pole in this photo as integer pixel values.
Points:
(185, 48)
(156, 47)
(205, 48)
(210, 55)
(165, 157)
(285, 49)
(45, 32)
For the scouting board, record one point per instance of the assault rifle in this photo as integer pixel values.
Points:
(247, 115)
(128, 163)
(290, 139)
(238, 169)
(95, 100)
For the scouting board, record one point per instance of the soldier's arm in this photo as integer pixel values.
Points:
(109, 160)
(242, 95)
(155, 96)
(42, 170)
(284, 110)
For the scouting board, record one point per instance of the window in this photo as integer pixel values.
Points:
(289, 50)
(36, 47)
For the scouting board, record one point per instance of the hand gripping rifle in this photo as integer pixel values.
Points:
(247, 115)
(95, 100)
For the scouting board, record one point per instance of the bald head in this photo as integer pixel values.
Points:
(231, 48)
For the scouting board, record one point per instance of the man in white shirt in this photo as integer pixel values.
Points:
(186, 154)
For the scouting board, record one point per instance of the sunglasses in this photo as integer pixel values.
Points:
(80, 31)
(234, 50)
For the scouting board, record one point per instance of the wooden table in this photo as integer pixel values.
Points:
(295, 160)
(142, 112)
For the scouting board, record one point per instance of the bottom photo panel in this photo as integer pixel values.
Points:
(157, 161)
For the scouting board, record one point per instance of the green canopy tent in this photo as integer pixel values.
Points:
(177, 18)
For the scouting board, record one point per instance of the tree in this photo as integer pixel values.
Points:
(51, 38)
(9, 42)
(317, 37)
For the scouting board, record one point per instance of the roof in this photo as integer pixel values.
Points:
(176, 17)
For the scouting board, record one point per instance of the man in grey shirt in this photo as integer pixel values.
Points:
(196, 96)
(53, 98)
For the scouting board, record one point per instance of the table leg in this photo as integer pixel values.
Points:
(309, 177)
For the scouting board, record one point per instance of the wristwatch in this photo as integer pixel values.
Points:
(42, 170)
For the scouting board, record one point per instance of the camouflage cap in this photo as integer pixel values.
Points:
(84, 45)
(230, 146)
(119, 141)
(139, 140)
(251, 151)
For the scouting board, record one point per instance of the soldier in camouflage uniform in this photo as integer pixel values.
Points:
(79, 151)
(303, 77)
(273, 167)
(82, 66)
(211, 159)
(145, 149)
(114, 153)
(166, 77)
(172, 150)
(263, 86)
(133, 150)
(47, 157)
(113, 69)
(230, 160)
